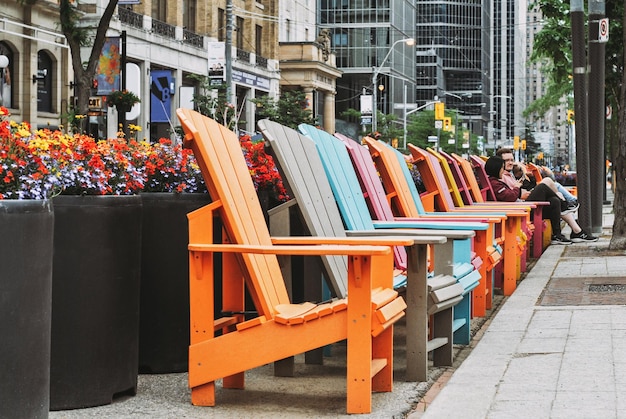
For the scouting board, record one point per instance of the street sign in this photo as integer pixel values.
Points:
(432, 138)
(603, 30)
(95, 102)
(451, 141)
(366, 120)
(438, 124)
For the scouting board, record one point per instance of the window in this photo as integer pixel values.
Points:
(221, 24)
(44, 82)
(259, 40)
(159, 10)
(239, 29)
(189, 15)
(6, 79)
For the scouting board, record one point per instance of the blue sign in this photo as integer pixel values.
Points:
(160, 95)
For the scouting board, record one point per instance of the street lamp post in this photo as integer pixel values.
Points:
(376, 71)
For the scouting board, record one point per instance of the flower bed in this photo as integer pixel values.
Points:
(43, 163)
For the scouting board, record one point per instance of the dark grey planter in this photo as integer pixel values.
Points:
(164, 308)
(26, 227)
(95, 300)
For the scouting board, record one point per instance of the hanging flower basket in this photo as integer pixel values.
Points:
(123, 100)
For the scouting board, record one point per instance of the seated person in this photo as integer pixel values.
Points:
(509, 164)
(542, 192)
(528, 180)
(571, 199)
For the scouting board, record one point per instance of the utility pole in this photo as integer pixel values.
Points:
(597, 106)
(228, 52)
(580, 108)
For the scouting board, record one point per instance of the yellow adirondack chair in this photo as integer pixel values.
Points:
(226, 347)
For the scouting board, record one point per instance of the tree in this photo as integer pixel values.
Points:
(618, 153)
(211, 101)
(290, 109)
(79, 36)
(553, 46)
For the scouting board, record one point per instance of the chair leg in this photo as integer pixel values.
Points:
(383, 349)
(234, 381)
(359, 356)
(203, 395)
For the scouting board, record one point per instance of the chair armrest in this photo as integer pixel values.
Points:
(449, 234)
(406, 239)
(326, 249)
(443, 225)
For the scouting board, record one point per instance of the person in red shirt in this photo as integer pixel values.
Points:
(494, 167)
(566, 210)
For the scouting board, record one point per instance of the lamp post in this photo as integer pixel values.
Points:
(419, 108)
(4, 63)
(376, 71)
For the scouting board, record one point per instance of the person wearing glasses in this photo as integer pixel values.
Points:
(508, 188)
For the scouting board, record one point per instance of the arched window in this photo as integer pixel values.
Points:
(6, 76)
(44, 82)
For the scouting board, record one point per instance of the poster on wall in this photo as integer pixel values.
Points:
(108, 72)
(161, 90)
(216, 62)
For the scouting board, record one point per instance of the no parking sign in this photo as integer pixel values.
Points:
(603, 30)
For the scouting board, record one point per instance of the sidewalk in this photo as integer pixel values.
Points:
(556, 347)
(535, 358)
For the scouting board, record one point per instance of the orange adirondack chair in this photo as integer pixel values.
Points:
(280, 329)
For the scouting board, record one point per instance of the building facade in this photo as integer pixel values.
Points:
(166, 44)
(364, 37)
(552, 130)
(307, 60)
(34, 84)
(508, 71)
(453, 58)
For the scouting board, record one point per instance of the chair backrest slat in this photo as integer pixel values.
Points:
(451, 168)
(470, 177)
(303, 175)
(226, 174)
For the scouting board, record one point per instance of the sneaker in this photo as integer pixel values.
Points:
(560, 239)
(582, 236)
(569, 207)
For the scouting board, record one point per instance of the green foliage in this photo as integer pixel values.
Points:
(211, 101)
(532, 147)
(553, 49)
(290, 109)
(70, 19)
(422, 125)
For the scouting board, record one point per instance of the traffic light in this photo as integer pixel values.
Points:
(570, 116)
(523, 144)
(447, 123)
(516, 142)
(439, 111)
